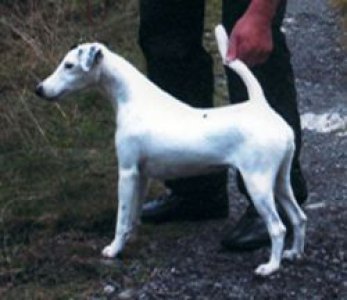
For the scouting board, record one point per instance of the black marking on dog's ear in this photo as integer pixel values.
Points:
(98, 55)
(91, 58)
(204, 116)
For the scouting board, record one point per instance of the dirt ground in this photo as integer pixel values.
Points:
(184, 260)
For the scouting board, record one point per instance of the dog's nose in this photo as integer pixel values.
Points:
(39, 90)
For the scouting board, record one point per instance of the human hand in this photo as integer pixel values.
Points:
(251, 39)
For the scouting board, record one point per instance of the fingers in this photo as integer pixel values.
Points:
(247, 52)
(250, 41)
(232, 52)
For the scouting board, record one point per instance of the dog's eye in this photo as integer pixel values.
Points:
(68, 65)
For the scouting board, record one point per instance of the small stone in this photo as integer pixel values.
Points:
(289, 20)
(127, 294)
(218, 285)
(336, 261)
(109, 289)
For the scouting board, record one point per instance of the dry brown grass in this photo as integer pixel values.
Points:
(341, 3)
(33, 37)
(341, 6)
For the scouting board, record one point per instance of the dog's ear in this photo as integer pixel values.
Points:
(222, 41)
(90, 57)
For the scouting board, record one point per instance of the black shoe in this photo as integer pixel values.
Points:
(250, 233)
(168, 208)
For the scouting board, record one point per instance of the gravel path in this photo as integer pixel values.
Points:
(321, 71)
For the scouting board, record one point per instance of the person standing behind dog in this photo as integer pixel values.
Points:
(170, 36)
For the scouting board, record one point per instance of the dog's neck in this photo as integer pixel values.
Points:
(121, 81)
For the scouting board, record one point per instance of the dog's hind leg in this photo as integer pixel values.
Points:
(285, 196)
(260, 188)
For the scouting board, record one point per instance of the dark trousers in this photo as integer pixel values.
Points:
(171, 33)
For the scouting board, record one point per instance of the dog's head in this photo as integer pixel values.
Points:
(79, 69)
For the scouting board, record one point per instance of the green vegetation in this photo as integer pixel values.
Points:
(341, 6)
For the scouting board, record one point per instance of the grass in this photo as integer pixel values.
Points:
(341, 7)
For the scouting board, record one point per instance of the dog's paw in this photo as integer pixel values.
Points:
(110, 251)
(266, 269)
(291, 255)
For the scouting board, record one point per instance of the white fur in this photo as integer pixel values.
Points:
(159, 136)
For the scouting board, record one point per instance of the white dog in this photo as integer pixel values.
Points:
(158, 136)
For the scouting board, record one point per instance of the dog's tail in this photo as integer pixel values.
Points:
(254, 89)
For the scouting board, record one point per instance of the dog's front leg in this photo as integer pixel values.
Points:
(128, 192)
